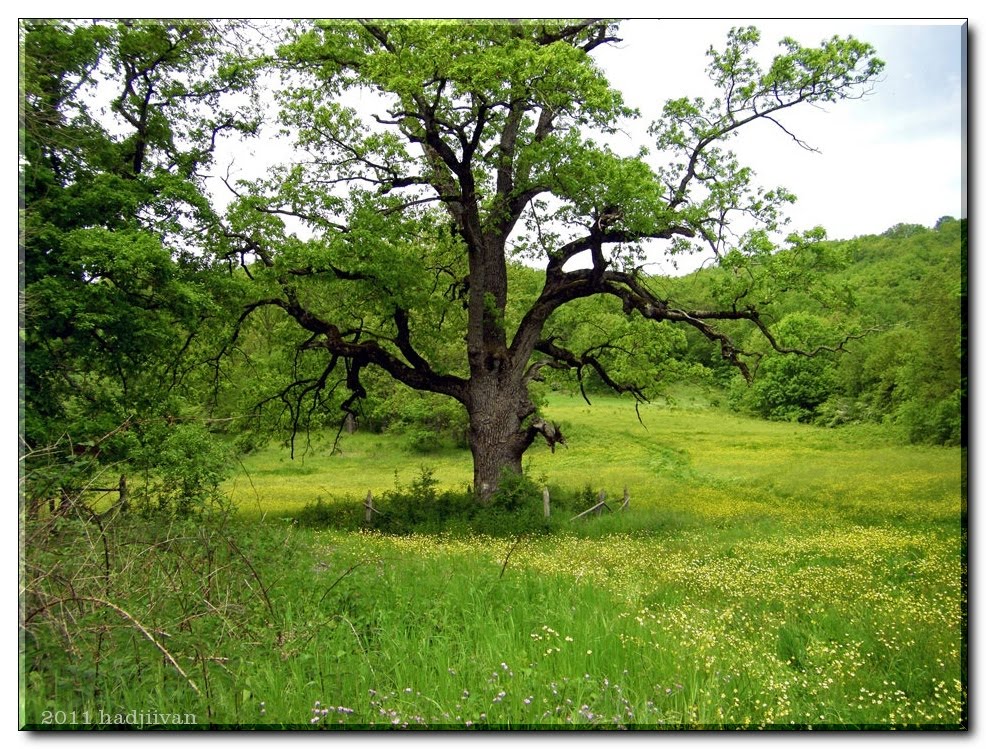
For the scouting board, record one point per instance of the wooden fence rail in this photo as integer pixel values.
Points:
(597, 509)
(67, 494)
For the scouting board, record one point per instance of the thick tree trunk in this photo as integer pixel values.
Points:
(496, 436)
(490, 459)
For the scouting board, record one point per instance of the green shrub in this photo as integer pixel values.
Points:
(420, 507)
(340, 514)
(935, 423)
(183, 467)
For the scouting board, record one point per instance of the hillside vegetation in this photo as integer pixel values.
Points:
(902, 292)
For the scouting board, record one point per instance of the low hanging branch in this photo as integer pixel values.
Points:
(839, 347)
(562, 358)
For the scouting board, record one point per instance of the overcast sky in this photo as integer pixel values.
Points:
(894, 156)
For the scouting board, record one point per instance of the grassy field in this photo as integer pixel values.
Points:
(765, 575)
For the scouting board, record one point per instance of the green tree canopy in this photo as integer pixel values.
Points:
(119, 120)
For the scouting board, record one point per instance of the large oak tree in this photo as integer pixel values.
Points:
(477, 142)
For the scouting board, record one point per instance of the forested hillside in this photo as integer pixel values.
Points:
(901, 296)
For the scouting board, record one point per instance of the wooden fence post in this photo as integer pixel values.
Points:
(124, 497)
(602, 502)
(626, 499)
(368, 504)
(546, 496)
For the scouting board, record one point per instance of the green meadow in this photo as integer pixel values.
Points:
(681, 458)
(764, 575)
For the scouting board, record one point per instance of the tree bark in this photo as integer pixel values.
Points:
(496, 435)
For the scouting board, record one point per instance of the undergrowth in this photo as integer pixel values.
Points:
(421, 506)
(111, 604)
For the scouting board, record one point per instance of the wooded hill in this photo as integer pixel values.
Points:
(903, 292)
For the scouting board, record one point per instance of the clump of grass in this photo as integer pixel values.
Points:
(342, 514)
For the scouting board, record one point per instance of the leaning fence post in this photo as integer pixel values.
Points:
(626, 498)
(546, 496)
(596, 509)
(602, 502)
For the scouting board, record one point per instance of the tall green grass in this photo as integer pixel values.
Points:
(765, 575)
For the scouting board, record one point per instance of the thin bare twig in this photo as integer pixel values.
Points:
(507, 558)
(140, 627)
